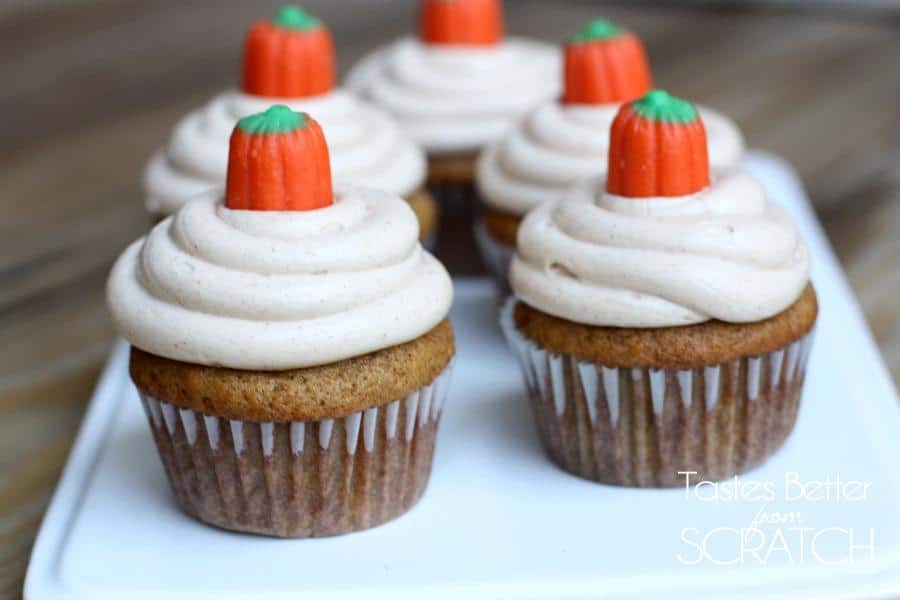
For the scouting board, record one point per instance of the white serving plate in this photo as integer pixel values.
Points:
(499, 520)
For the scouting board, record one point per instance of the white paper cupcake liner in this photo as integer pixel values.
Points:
(641, 426)
(300, 479)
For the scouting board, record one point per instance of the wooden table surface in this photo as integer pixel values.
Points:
(91, 88)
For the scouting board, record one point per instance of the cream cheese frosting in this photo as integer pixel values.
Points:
(723, 253)
(367, 147)
(266, 290)
(558, 145)
(457, 99)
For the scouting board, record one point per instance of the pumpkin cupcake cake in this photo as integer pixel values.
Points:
(290, 343)
(565, 141)
(458, 86)
(663, 323)
(290, 60)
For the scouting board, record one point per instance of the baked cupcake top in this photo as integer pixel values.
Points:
(563, 141)
(460, 84)
(662, 245)
(286, 61)
(281, 272)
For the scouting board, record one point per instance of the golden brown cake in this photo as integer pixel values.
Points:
(451, 169)
(329, 391)
(501, 226)
(427, 213)
(685, 347)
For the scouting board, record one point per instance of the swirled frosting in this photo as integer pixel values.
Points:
(279, 290)
(558, 145)
(366, 146)
(453, 99)
(724, 253)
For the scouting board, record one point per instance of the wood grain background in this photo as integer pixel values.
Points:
(89, 89)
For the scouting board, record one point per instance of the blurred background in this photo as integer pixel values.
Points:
(90, 88)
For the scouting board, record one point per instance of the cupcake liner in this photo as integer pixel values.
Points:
(452, 196)
(640, 426)
(300, 479)
(458, 203)
(496, 256)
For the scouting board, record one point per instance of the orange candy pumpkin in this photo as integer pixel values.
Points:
(461, 22)
(605, 64)
(292, 57)
(278, 160)
(657, 147)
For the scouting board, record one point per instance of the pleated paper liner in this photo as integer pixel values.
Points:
(457, 200)
(458, 203)
(301, 479)
(639, 427)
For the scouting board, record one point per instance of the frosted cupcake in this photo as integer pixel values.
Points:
(458, 86)
(290, 344)
(663, 322)
(565, 141)
(291, 61)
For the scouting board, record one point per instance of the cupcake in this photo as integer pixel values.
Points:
(565, 141)
(663, 323)
(457, 87)
(291, 61)
(290, 344)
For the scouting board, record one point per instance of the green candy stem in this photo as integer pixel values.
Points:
(659, 105)
(277, 119)
(294, 17)
(598, 29)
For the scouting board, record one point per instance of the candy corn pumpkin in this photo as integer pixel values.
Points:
(461, 22)
(605, 64)
(278, 160)
(290, 57)
(657, 148)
